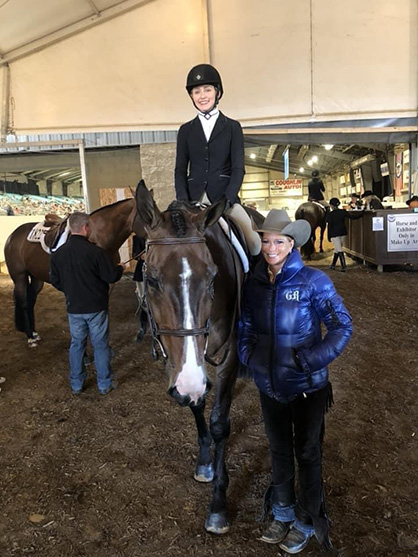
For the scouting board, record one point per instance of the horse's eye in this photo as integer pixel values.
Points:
(154, 282)
(212, 288)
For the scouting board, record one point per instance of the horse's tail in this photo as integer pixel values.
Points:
(20, 314)
(24, 297)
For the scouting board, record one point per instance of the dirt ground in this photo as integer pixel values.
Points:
(112, 476)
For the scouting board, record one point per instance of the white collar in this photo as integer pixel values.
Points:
(208, 115)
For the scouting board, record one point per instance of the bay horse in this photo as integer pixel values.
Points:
(192, 279)
(316, 216)
(28, 263)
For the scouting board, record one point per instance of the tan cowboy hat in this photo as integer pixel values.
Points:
(278, 221)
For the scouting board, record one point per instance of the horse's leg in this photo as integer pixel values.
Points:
(204, 467)
(217, 520)
(34, 287)
(321, 239)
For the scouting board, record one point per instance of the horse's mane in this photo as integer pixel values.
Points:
(111, 205)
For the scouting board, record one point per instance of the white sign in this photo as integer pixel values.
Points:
(377, 223)
(288, 188)
(403, 232)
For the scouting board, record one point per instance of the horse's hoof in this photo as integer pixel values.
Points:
(32, 343)
(204, 473)
(217, 523)
(140, 335)
(36, 336)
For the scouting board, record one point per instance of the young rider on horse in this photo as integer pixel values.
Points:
(210, 152)
(315, 189)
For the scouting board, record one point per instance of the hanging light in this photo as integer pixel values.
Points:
(253, 156)
(328, 147)
(314, 158)
(301, 169)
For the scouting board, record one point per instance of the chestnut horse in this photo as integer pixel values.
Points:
(316, 216)
(28, 263)
(192, 279)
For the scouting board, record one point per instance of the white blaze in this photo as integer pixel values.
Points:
(191, 379)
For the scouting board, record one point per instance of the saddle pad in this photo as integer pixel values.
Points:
(37, 232)
(236, 243)
(319, 205)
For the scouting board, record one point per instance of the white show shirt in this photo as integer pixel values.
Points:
(208, 121)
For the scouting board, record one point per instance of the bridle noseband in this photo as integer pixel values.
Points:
(156, 332)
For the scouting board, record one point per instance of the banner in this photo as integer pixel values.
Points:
(288, 188)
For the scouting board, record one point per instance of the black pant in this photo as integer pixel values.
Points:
(297, 429)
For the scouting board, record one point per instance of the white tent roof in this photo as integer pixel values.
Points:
(25, 29)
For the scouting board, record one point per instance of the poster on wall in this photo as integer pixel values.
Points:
(403, 232)
(288, 188)
(398, 174)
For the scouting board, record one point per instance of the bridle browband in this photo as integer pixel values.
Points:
(156, 332)
(175, 241)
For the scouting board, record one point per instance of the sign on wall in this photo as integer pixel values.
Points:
(290, 188)
(403, 232)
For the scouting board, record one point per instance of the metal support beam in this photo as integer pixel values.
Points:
(5, 103)
(333, 131)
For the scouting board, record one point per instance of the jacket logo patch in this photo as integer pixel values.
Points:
(292, 295)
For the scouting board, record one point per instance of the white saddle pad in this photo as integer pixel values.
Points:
(37, 234)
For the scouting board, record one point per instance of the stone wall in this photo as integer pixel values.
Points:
(157, 163)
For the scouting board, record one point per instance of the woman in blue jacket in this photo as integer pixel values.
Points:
(281, 342)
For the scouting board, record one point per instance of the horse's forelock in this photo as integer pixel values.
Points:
(179, 223)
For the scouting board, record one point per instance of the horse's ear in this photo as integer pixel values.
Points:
(148, 211)
(210, 215)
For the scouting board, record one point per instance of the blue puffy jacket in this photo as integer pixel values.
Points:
(280, 337)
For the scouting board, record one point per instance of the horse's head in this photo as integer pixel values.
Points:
(179, 278)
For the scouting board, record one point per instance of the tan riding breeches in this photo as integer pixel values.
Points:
(241, 217)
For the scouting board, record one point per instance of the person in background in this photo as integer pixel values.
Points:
(413, 202)
(337, 230)
(83, 271)
(316, 188)
(281, 342)
(210, 152)
(372, 202)
(355, 202)
(9, 211)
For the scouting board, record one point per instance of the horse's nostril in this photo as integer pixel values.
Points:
(182, 400)
(209, 386)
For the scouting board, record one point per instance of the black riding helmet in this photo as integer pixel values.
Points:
(315, 173)
(335, 202)
(204, 74)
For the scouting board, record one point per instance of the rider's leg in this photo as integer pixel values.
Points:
(239, 215)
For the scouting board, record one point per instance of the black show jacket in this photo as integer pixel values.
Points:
(215, 166)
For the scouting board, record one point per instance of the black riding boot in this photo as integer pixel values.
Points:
(342, 259)
(334, 261)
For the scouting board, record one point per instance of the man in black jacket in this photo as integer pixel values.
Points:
(83, 272)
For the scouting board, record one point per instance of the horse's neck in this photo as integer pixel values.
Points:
(112, 225)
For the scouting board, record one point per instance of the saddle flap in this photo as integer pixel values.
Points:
(54, 232)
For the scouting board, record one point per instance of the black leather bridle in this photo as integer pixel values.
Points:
(156, 331)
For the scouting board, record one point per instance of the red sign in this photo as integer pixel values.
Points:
(289, 188)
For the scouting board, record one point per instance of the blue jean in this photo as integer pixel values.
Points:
(95, 325)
